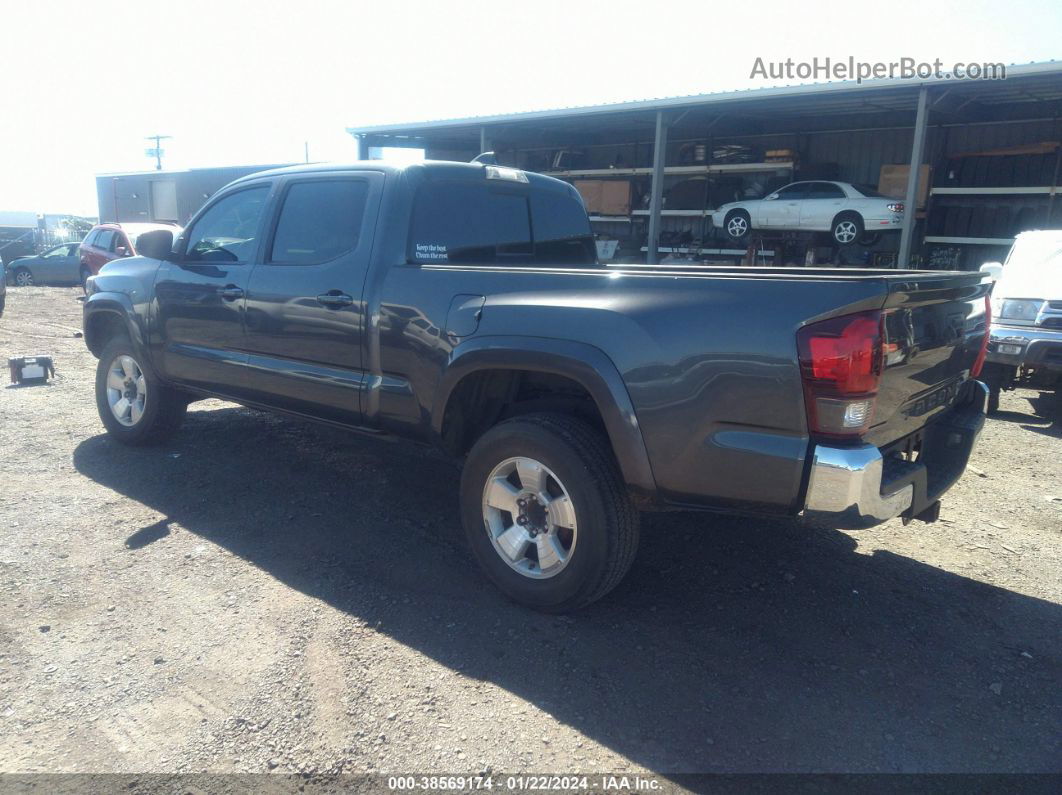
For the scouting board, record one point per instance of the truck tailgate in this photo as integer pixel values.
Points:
(934, 326)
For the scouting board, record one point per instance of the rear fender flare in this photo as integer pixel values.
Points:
(584, 364)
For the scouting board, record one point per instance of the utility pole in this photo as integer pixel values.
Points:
(156, 152)
(306, 150)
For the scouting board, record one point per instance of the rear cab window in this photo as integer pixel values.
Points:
(484, 223)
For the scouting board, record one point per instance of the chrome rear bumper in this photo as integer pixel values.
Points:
(850, 488)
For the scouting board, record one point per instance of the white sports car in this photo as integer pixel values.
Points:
(848, 212)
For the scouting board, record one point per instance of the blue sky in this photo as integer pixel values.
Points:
(250, 82)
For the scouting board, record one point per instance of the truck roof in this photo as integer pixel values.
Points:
(436, 169)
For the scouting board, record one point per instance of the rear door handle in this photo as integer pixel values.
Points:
(335, 299)
(230, 292)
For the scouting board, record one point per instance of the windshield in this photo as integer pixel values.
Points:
(1033, 268)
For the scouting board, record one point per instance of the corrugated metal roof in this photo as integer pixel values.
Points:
(988, 90)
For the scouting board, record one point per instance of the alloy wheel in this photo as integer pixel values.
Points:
(126, 390)
(737, 226)
(845, 232)
(529, 517)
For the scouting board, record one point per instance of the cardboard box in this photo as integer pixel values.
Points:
(605, 196)
(892, 182)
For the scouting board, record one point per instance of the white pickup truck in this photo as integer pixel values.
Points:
(1025, 346)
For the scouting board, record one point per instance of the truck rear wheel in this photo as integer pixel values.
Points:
(546, 512)
(136, 409)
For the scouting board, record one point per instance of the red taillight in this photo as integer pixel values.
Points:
(979, 363)
(840, 363)
(894, 208)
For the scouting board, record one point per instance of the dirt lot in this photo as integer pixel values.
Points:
(266, 594)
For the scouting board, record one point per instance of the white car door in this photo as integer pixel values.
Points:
(824, 200)
(783, 211)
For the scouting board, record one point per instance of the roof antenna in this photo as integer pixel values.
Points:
(487, 159)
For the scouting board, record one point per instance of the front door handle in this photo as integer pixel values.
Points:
(335, 299)
(230, 292)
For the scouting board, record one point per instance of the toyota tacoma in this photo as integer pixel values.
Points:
(463, 305)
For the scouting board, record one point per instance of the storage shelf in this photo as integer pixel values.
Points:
(626, 219)
(974, 241)
(1040, 190)
(678, 213)
(717, 168)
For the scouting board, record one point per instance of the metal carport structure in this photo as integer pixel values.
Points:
(902, 113)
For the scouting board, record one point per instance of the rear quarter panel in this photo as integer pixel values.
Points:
(709, 362)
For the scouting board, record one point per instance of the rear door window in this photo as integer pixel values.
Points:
(825, 190)
(319, 221)
(104, 239)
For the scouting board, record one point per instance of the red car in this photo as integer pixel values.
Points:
(112, 241)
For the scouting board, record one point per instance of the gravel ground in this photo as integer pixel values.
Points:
(264, 594)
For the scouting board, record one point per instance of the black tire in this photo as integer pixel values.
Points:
(83, 275)
(164, 407)
(847, 228)
(3, 302)
(607, 523)
(735, 221)
(22, 277)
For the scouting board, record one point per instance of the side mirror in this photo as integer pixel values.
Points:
(156, 245)
(771, 197)
(993, 270)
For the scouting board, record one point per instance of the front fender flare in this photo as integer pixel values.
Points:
(116, 305)
(584, 364)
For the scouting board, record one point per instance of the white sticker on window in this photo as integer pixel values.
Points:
(431, 251)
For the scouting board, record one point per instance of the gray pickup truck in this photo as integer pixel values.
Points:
(463, 305)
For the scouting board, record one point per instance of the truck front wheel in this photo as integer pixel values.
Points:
(546, 512)
(136, 409)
